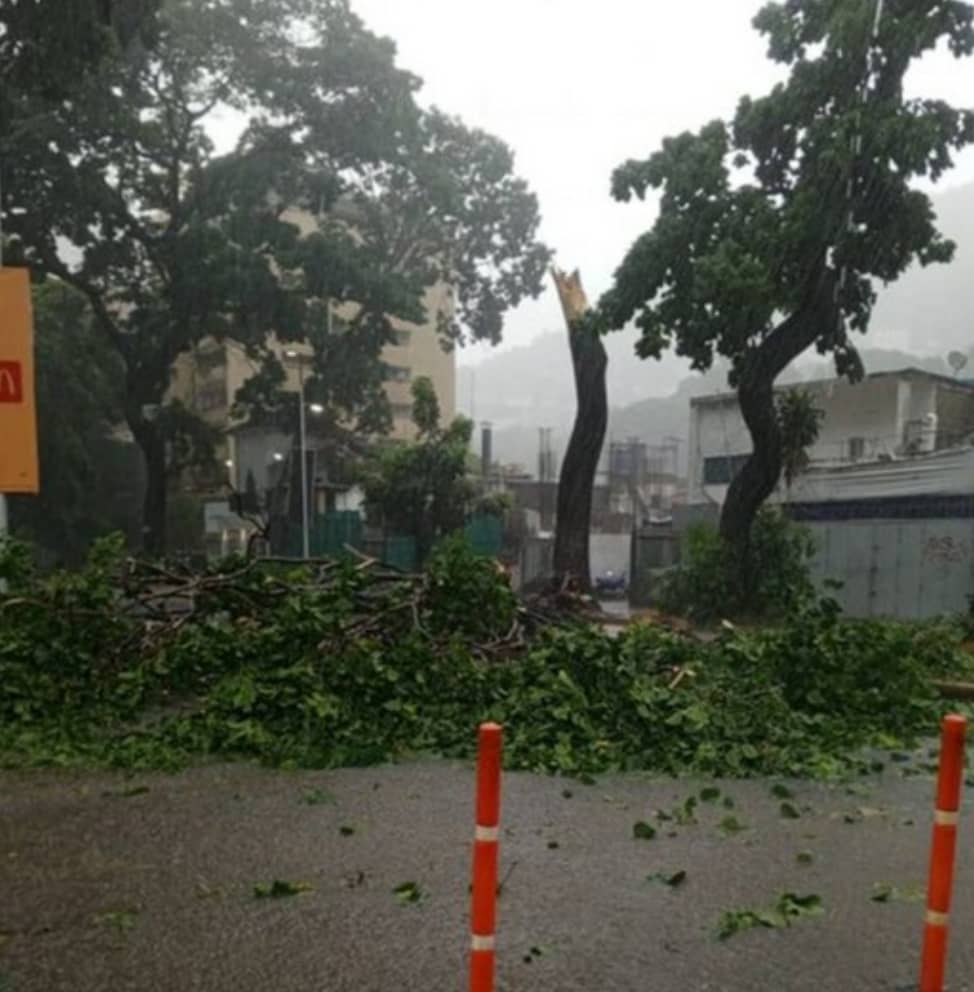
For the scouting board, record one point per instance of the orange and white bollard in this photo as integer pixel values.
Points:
(934, 961)
(484, 908)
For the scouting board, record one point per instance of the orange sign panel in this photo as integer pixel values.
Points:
(18, 417)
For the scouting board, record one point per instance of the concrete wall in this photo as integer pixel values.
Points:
(609, 553)
(897, 568)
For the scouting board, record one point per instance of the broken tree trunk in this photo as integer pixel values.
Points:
(577, 479)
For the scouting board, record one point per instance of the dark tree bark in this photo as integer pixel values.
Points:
(577, 479)
(156, 482)
(755, 379)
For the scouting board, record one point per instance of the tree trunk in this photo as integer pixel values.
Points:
(153, 447)
(154, 504)
(758, 477)
(577, 478)
(755, 393)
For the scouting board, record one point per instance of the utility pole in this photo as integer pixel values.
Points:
(544, 470)
(296, 356)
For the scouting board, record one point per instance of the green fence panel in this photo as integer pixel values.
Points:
(485, 533)
(328, 534)
(400, 552)
(332, 533)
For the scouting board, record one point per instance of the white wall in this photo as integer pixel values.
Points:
(876, 410)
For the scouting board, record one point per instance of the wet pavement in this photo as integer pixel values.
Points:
(112, 884)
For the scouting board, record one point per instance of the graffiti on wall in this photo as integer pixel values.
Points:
(946, 550)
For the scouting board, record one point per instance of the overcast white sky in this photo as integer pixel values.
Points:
(577, 87)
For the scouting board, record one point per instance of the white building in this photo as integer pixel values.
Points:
(893, 434)
(889, 493)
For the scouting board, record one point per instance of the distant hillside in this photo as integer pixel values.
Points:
(918, 320)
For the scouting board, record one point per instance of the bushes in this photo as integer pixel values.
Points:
(349, 670)
(712, 582)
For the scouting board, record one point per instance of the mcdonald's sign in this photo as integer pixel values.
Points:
(18, 420)
(11, 383)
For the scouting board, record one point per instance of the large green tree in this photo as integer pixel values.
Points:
(774, 228)
(120, 193)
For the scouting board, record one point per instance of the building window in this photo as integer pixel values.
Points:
(722, 469)
(857, 448)
(398, 373)
(211, 396)
(401, 339)
(402, 411)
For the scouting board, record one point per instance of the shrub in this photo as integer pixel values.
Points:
(712, 582)
(296, 670)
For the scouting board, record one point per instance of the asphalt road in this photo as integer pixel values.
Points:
(147, 883)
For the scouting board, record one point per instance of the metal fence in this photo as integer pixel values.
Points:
(332, 534)
(897, 568)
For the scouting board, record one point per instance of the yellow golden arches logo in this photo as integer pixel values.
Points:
(11, 383)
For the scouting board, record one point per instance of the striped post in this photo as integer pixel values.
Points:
(934, 962)
(484, 908)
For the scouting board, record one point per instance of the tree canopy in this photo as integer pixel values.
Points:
(774, 228)
(421, 489)
(122, 194)
(43, 53)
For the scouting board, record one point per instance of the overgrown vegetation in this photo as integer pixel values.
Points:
(712, 583)
(346, 663)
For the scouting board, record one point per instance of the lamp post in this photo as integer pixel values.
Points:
(316, 408)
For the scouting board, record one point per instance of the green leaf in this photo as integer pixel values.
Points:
(318, 797)
(789, 811)
(118, 919)
(685, 814)
(883, 892)
(731, 825)
(792, 905)
(710, 794)
(641, 830)
(804, 857)
(673, 880)
(346, 831)
(409, 893)
(788, 908)
(280, 889)
(781, 792)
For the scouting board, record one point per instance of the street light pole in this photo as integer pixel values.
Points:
(305, 531)
(316, 408)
